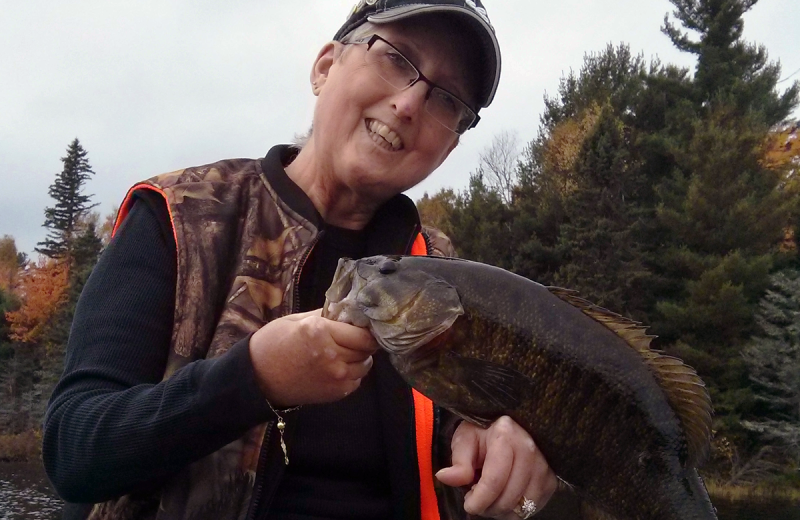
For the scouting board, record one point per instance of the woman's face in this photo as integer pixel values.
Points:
(373, 139)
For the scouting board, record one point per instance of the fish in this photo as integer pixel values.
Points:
(623, 426)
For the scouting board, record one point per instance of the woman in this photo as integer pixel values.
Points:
(201, 380)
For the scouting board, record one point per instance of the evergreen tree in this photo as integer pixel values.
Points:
(71, 204)
(773, 360)
(614, 77)
(722, 212)
(86, 251)
(481, 225)
(604, 262)
(728, 68)
(8, 303)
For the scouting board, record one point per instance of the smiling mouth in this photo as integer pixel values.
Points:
(384, 136)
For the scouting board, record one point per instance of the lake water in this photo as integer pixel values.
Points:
(25, 494)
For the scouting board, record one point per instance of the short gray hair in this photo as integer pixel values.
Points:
(359, 33)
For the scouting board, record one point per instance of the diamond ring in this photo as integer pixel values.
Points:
(526, 508)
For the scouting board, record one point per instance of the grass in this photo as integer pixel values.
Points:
(21, 447)
(752, 493)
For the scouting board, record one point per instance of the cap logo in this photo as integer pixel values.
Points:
(360, 5)
(481, 12)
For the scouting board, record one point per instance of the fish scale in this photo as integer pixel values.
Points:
(483, 342)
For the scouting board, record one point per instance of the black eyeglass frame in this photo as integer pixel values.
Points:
(370, 41)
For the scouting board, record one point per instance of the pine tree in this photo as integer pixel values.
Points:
(71, 204)
(481, 225)
(773, 360)
(604, 262)
(722, 212)
(728, 67)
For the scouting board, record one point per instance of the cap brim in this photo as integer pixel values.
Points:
(482, 28)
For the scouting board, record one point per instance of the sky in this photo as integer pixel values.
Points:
(157, 85)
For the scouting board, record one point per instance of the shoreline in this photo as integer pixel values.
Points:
(761, 492)
(21, 447)
(26, 448)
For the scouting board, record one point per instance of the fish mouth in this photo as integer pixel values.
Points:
(338, 306)
(404, 309)
(340, 286)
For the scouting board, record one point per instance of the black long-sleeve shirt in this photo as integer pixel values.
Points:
(114, 427)
(112, 424)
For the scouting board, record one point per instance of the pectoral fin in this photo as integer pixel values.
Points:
(490, 389)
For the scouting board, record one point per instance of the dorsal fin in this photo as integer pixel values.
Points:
(685, 391)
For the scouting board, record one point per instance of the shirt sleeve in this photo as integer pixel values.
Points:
(113, 426)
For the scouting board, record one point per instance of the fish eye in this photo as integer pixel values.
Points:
(387, 267)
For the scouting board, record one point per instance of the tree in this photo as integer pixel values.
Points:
(498, 164)
(42, 289)
(71, 204)
(481, 225)
(603, 260)
(106, 228)
(727, 67)
(773, 360)
(436, 211)
(85, 253)
(548, 170)
(9, 262)
(8, 303)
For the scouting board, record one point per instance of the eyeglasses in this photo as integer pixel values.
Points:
(399, 72)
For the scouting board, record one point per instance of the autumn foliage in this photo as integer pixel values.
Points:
(42, 288)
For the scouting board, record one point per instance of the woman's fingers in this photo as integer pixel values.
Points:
(509, 464)
(304, 358)
(502, 477)
(465, 447)
(352, 338)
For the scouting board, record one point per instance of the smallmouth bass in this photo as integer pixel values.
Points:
(622, 425)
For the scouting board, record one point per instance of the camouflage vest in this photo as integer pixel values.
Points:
(240, 248)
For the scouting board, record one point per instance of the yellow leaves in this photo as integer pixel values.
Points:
(42, 289)
(565, 144)
(783, 148)
(8, 262)
(435, 211)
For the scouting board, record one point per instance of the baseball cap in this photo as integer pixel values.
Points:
(470, 12)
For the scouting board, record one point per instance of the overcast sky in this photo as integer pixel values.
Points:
(156, 85)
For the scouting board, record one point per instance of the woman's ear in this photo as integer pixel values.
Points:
(322, 65)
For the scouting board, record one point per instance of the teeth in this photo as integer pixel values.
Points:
(388, 135)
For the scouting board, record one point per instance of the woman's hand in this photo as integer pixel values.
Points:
(305, 358)
(509, 464)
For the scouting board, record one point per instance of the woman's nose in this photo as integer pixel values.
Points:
(410, 102)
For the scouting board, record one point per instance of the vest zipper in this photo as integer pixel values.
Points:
(258, 487)
(261, 469)
(299, 272)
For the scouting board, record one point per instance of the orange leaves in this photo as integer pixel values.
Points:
(42, 288)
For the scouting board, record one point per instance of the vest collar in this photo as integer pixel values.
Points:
(391, 231)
